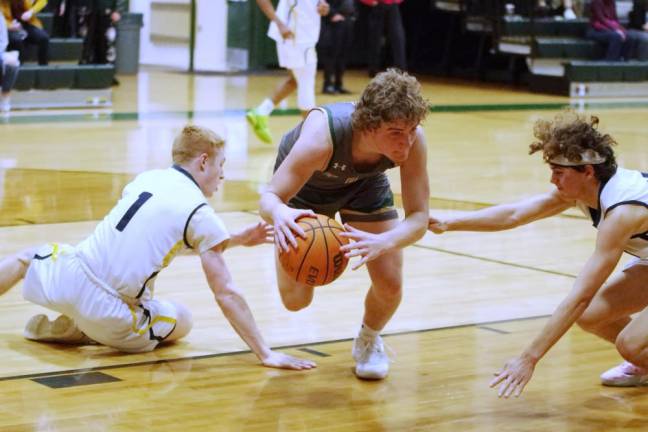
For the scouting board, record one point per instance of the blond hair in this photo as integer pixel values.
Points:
(570, 135)
(194, 141)
(392, 95)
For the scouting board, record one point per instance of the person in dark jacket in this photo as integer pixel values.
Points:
(335, 44)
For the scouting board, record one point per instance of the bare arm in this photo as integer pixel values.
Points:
(269, 11)
(310, 153)
(415, 189)
(614, 232)
(504, 216)
(239, 315)
(252, 235)
(416, 193)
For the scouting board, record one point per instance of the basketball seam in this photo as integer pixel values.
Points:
(301, 264)
(327, 252)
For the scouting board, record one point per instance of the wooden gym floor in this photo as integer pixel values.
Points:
(471, 300)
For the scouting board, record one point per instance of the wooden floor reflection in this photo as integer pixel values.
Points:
(470, 300)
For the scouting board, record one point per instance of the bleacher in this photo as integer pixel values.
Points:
(64, 82)
(559, 58)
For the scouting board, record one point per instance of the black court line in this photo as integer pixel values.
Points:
(232, 353)
(494, 330)
(492, 260)
(314, 352)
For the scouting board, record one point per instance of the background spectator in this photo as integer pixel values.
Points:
(8, 68)
(100, 31)
(385, 13)
(24, 27)
(622, 44)
(335, 44)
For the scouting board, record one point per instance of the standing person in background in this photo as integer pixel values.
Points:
(379, 12)
(102, 15)
(25, 27)
(295, 27)
(8, 68)
(335, 44)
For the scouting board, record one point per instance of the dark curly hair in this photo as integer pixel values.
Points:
(392, 95)
(569, 135)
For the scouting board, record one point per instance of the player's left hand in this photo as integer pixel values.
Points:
(323, 8)
(513, 377)
(367, 245)
(257, 234)
(26, 16)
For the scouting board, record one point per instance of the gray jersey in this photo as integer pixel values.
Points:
(340, 171)
(625, 187)
(358, 196)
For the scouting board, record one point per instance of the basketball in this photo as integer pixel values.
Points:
(317, 260)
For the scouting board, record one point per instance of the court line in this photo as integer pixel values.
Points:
(102, 116)
(283, 347)
(492, 260)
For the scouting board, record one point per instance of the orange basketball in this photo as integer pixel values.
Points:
(317, 259)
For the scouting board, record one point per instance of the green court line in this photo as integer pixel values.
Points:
(107, 116)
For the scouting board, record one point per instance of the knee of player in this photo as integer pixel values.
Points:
(295, 305)
(184, 322)
(589, 321)
(630, 346)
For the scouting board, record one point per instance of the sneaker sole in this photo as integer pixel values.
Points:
(369, 377)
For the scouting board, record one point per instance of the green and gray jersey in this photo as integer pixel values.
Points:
(340, 171)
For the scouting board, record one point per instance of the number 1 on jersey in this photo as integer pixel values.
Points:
(143, 197)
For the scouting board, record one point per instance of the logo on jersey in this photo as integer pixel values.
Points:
(339, 166)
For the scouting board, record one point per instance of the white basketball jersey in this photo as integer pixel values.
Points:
(160, 212)
(302, 19)
(626, 187)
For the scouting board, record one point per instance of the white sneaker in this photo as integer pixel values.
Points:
(62, 329)
(5, 104)
(569, 14)
(625, 375)
(371, 359)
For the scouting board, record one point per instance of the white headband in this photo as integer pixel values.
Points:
(588, 157)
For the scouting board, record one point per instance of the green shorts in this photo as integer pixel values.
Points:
(366, 200)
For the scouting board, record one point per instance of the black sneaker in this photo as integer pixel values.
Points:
(342, 90)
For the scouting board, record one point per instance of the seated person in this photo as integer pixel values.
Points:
(621, 43)
(25, 28)
(8, 68)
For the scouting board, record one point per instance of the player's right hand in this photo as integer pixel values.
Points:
(286, 226)
(285, 31)
(437, 226)
(284, 361)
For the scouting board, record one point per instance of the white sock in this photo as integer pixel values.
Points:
(368, 333)
(265, 108)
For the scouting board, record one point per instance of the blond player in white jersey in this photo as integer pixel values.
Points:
(104, 286)
(585, 175)
(295, 28)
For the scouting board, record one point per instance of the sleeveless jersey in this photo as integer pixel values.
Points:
(625, 187)
(302, 19)
(160, 212)
(340, 171)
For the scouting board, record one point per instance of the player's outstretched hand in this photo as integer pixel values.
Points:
(367, 245)
(256, 234)
(513, 377)
(286, 226)
(437, 226)
(284, 361)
